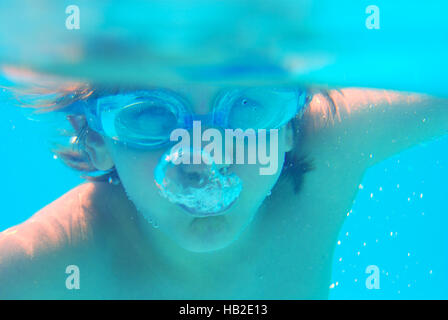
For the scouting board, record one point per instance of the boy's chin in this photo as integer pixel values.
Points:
(209, 234)
(201, 247)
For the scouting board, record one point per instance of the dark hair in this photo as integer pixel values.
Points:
(295, 166)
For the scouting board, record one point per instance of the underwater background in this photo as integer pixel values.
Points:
(397, 221)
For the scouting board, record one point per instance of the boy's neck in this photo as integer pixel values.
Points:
(154, 247)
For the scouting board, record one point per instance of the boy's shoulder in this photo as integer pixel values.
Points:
(66, 221)
(67, 224)
(31, 251)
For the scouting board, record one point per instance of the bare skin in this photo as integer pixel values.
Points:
(285, 253)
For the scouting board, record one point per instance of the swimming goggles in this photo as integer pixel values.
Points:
(146, 118)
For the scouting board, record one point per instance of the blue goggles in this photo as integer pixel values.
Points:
(146, 118)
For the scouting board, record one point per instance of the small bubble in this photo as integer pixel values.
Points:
(113, 180)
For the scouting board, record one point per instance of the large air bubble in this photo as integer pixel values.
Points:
(201, 189)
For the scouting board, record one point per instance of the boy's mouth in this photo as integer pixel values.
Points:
(195, 212)
(210, 229)
(201, 190)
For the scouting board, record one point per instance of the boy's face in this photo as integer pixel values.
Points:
(135, 168)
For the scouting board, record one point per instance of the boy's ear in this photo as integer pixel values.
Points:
(97, 151)
(289, 137)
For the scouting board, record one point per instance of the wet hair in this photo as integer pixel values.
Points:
(295, 166)
(66, 99)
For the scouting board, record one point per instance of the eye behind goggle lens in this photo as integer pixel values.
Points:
(245, 113)
(260, 108)
(143, 123)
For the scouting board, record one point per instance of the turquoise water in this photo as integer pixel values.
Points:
(397, 221)
(33, 178)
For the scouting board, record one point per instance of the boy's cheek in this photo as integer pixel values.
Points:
(133, 159)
